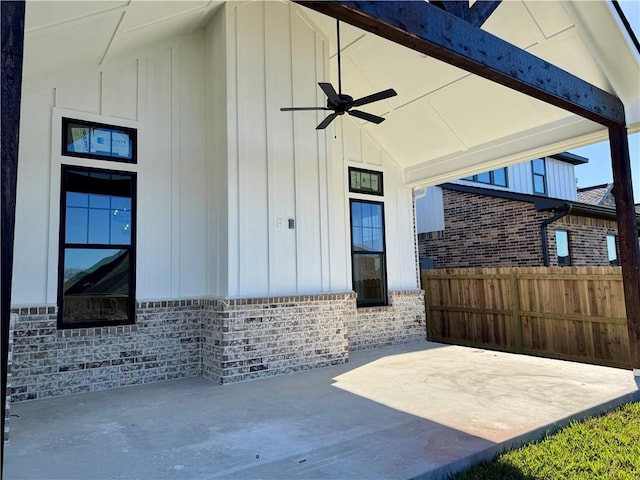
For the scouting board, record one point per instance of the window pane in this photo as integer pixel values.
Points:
(77, 199)
(101, 141)
(121, 203)
(562, 248)
(611, 251)
(96, 285)
(484, 177)
(99, 201)
(538, 184)
(366, 214)
(500, 177)
(368, 278)
(77, 225)
(356, 214)
(537, 166)
(120, 227)
(99, 226)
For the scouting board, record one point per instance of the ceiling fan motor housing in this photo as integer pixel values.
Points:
(343, 103)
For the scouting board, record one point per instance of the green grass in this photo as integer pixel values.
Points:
(606, 447)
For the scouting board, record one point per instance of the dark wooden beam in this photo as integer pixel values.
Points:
(627, 237)
(12, 39)
(476, 15)
(430, 30)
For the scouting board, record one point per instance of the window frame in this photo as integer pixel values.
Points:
(492, 181)
(541, 175)
(379, 192)
(132, 132)
(383, 253)
(63, 246)
(566, 232)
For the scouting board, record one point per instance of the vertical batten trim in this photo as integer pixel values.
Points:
(319, 137)
(101, 92)
(267, 158)
(237, 153)
(175, 172)
(295, 158)
(137, 89)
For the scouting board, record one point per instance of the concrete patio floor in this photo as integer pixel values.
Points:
(420, 410)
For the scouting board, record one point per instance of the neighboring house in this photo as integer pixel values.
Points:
(600, 195)
(171, 221)
(510, 216)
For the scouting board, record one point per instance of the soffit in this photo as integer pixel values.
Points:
(445, 123)
(62, 34)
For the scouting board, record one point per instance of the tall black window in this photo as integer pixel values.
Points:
(96, 278)
(539, 176)
(562, 248)
(368, 253)
(494, 177)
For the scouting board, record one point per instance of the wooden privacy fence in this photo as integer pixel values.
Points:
(570, 313)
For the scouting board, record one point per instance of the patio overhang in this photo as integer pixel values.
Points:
(428, 29)
(435, 131)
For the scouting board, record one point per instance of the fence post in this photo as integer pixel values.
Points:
(515, 308)
(424, 280)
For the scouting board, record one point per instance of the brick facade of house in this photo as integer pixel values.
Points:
(486, 231)
(225, 340)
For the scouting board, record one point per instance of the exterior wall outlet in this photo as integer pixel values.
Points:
(292, 224)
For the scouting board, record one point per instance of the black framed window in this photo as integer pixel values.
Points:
(612, 251)
(539, 171)
(368, 257)
(494, 177)
(96, 272)
(563, 248)
(98, 140)
(365, 181)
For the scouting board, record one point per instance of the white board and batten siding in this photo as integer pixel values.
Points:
(159, 92)
(220, 169)
(281, 168)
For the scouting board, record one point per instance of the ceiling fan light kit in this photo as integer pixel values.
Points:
(340, 103)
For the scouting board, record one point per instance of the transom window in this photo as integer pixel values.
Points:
(85, 139)
(96, 279)
(539, 171)
(368, 257)
(495, 177)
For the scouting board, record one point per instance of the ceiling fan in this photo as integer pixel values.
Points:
(341, 103)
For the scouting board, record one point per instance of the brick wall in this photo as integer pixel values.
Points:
(484, 231)
(223, 340)
(587, 240)
(262, 337)
(211, 335)
(5, 433)
(163, 344)
(403, 321)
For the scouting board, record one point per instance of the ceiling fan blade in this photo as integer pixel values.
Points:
(374, 97)
(295, 109)
(329, 91)
(366, 116)
(325, 123)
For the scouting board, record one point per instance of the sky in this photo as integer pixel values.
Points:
(598, 170)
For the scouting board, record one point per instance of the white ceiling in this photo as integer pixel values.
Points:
(444, 123)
